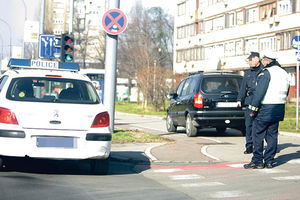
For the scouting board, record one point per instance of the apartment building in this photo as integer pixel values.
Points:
(220, 34)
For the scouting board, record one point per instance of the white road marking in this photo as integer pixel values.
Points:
(295, 161)
(228, 194)
(287, 178)
(215, 140)
(204, 151)
(186, 177)
(236, 165)
(167, 170)
(272, 171)
(205, 184)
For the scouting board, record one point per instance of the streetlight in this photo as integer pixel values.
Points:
(25, 17)
(10, 35)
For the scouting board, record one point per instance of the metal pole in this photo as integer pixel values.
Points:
(42, 23)
(25, 17)
(10, 36)
(297, 93)
(71, 16)
(110, 70)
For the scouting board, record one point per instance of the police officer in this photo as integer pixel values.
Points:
(267, 108)
(246, 93)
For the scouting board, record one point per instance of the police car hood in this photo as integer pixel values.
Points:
(57, 116)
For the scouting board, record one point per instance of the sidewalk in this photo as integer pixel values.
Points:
(197, 150)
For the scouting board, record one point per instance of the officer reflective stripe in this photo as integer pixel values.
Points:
(253, 108)
(278, 86)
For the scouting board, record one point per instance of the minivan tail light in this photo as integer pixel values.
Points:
(198, 100)
(101, 120)
(7, 116)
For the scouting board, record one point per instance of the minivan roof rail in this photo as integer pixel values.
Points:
(214, 71)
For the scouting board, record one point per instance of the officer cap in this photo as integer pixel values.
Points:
(253, 54)
(270, 54)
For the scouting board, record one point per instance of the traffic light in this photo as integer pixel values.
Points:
(67, 47)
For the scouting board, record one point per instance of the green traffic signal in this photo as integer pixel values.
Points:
(67, 50)
(68, 58)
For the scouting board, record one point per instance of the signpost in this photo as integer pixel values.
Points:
(296, 45)
(114, 22)
(47, 46)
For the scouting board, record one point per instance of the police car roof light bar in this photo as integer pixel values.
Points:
(27, 64)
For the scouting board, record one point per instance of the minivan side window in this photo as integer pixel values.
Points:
(2, 82)
(179, 89)
(186, 87)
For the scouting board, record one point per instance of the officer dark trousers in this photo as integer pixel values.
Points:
(248, 124)
(268, 131)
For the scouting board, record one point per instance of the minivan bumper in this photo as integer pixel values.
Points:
(230, 119)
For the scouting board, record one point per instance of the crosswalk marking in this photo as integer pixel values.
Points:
(295, 161)
(186, 177)
(239, 165)
(228, 194)
(272, 171)
(205, 184)
(167, 170)
(286, 178)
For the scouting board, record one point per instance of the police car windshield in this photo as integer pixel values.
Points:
(221, 84)
(57, 90)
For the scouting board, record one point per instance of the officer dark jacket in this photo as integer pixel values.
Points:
(249, 84)
(268, 111)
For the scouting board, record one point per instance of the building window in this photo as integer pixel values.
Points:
(251, 15)
(179, 57)
(239, 48)
(208, 26)
(219, 23)
(239, 18)
(285, 39)
(219, 51)
(251, 45)
(229, 20)
(229, 49)
(267, 43)
(267, 11)
(285, 7)
(181, 9)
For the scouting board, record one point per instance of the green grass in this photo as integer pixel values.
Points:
(121, 136)
(289, 123)
(134, 108)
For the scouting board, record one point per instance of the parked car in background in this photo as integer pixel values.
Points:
(206, 99)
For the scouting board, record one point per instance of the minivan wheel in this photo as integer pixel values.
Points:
(191, 130)
(221, 130)
(170, 124)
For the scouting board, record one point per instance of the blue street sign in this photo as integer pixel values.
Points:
(47, 46)
(296, 42)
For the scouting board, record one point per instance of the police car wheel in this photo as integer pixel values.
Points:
(1, 164)
(191, 130)
(99, 166)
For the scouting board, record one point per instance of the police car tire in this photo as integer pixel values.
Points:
(99, 166)
(170, 124)
(1, 164)
(191, 130)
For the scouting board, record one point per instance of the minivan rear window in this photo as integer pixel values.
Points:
(56, 90)
(221, 84)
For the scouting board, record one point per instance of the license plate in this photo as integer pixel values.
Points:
(57, 142)
(226, 104)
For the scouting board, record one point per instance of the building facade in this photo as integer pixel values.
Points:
(87, 28)
(220, 34)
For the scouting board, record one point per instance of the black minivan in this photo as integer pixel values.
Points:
(205, 100)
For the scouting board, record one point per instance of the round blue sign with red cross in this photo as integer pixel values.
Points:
(114, 21)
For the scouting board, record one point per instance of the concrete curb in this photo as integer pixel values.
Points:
(289, 134)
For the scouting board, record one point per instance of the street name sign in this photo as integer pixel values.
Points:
(114, 21)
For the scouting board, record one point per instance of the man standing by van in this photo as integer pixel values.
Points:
(245, 95)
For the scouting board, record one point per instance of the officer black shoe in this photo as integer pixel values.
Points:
(269, 165)
(252, 165)
(248, 150)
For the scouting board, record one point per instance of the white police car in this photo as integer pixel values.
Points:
(52, 113)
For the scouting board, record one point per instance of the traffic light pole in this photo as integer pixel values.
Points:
(110, 70)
